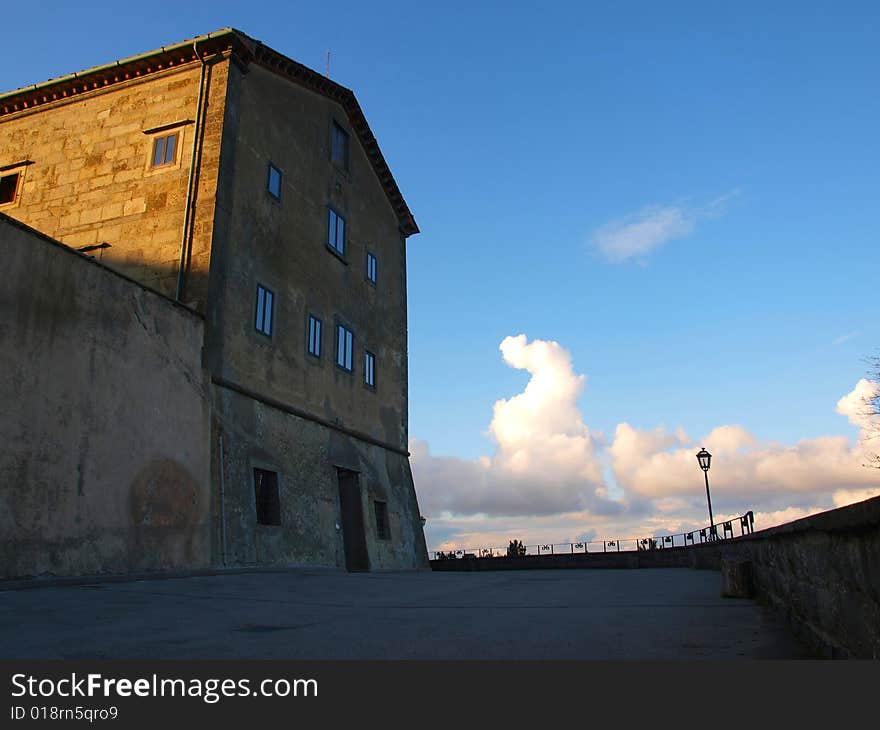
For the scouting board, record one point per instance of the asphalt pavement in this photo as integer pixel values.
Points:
(329, 614)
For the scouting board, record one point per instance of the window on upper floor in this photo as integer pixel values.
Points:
(274, 184)
(344, 348)
(382, 529)
(369, 369)
(265, 304)
(164, 150)
(267, 497)
(314, 336)
(9, 187)
(336, 232)
(339, 146)
(372, 267)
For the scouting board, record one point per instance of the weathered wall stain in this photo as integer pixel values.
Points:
(164, 494)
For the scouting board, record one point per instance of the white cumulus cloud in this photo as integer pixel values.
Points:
(545, 480)
(857, 406)
(545, 457)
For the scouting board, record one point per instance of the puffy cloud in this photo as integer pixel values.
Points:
(545, 460)
(540, 432)
(544, 482)
(656, 464)
(857, 406)
(843, 497)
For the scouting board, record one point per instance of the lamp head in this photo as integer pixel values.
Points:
(704, 458)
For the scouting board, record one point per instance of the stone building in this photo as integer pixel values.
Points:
(204, 331)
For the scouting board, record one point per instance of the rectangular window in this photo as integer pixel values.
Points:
(372, 266)
(369, 369)
(274, 185)
(314, 336)
(9, 188)
(339, 147)
(344, 348)
(336, 233)
(164, 148)
(382, 531)
(265, 301)
(267, 497)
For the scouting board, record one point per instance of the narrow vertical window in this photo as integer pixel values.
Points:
(267, 497)
(314, 336)
(344, 348)
(163, 149)
(274, 185)
(369, 369)
(382, 531)
(265, 302)
(372, 267)
(336, 232)
(339, 146)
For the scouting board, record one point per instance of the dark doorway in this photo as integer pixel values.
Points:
(353, 536)
(266, 497)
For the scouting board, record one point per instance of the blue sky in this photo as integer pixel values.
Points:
(746, 135)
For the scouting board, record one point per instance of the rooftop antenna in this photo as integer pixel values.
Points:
(327, 66)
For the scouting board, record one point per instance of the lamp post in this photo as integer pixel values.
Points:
(704, 459)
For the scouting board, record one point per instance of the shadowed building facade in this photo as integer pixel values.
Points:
(228, 219)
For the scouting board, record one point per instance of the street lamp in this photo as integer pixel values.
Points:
(704, 458)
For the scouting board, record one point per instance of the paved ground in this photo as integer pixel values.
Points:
(327, 614)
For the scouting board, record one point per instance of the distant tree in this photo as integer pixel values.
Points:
(871, 425)
(516, 549)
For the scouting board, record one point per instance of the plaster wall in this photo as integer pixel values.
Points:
(105, 419)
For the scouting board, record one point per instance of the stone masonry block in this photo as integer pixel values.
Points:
(736, 578)
(136, 205)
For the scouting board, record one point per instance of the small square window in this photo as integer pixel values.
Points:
(344, 348)
(267, 497)
(164, 150)
(265, 303)
(372, 266)
(382, 530)
(336, 232)
(9, 187)
(314, 336)
(339, 147)
(369, 369)
(274, 185)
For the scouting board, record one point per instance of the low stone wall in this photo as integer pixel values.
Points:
(822, 572)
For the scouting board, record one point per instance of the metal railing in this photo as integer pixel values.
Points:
(721, 531)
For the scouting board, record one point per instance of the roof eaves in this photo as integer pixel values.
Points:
(115, 65)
